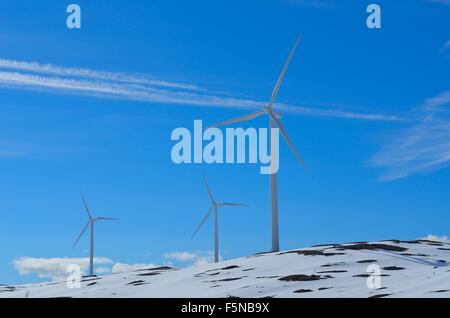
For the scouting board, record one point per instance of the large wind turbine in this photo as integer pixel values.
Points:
(214, 206)
(91, 222)
(274, 121)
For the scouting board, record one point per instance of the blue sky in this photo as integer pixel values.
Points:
(369, 116)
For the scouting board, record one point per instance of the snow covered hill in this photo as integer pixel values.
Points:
(418, 268)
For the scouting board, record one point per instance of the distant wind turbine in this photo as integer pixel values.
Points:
(91, 222)
(214, 205)
(274, 121)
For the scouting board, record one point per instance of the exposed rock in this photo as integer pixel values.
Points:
(300, 278)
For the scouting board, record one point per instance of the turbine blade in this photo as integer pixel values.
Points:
(239, 119)
(81, 234)
(208, 188)
(283, 72)
(233, 204)
(285, 135)
(105, 218)
(203, 220)
(86, 206)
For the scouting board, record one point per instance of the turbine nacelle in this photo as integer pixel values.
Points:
(269, 110)
(102, 218)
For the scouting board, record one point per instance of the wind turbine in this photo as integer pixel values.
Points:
(274, 121)
(214, 206)
(91, 222)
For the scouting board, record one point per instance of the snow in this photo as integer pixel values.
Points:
(418, 268)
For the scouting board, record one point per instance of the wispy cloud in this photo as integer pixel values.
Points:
(318, 112)
(89, 74)
(445, 47)
(125, 267)
(186, 258)
(422, 147)
(63, 80)
(434, 104)
(438, 238)
(54, 268)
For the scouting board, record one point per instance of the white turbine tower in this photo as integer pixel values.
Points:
(274, 121)
(214, 205)
(91, 222)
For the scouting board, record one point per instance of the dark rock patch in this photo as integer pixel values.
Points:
(160, 268)
(441, 291)
(91, 284)
(299, 291)
(379, 296)
(333, 264)
(149, 274)
(367, 275)
(223, 268)
(333, 271)
(87, 279)
(367, 261)
(434, 243)
(230, 267)
(312, 253)
(418, 254)
(373, 246)
(300, 278)
(227, 279)
(137, 282)
(443, 249)
(403, 241)
(324, 288)
(267, 276)
(248, 269)
(420, 241)
(8, 288)
(393, 268)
